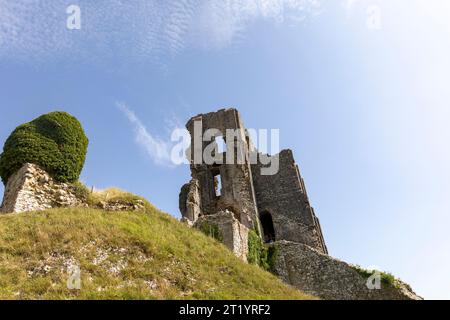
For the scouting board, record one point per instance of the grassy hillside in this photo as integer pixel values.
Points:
(123, 255)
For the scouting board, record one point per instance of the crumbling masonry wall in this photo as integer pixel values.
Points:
(33, 189)
(320, 275)
(190, 202)
(284, 197)
(280, 201)
(278, 207)
(236, 194)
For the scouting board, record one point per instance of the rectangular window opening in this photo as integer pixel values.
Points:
(218, 185)
(221, 145)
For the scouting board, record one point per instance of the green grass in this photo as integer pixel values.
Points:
(123, 255)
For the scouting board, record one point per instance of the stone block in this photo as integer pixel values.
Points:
(233, 233)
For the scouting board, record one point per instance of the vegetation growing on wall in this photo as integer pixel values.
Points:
(259, 253)
(55, 141)
(386, 278)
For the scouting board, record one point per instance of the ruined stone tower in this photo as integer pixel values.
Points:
(283, 206)
(276, 206)
(223, 186)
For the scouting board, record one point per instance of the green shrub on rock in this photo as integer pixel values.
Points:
(55, 141)
(261, 254)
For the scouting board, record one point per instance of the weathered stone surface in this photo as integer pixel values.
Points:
(321, 275)
(283, 196)
(33, 189)
(237, 192)
(234, 234)
(190, 202)
(278, 203)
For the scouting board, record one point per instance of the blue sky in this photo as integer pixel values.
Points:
(358, 89)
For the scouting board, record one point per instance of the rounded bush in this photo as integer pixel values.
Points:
(54, 141)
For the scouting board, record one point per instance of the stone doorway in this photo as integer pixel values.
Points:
(267, 224)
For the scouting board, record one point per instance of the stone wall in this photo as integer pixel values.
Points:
(190, 202)
(247, 193)
(278, 205)
(237, 192)
(328, 278)
(33, 189)
(244, 190)
(284, 197)
(234, 234)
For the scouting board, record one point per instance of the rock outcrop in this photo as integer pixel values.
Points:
(318, 274)
(33, 189)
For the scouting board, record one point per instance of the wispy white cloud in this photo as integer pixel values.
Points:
(156, 148)
(36, 30)
(349, 5)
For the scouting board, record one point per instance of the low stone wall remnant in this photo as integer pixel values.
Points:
(33, 189)
(319, 274)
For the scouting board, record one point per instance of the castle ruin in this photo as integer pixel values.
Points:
(277, 205)
(234, 198)
(238, 203)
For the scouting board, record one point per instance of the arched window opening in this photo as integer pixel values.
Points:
(267, 225)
